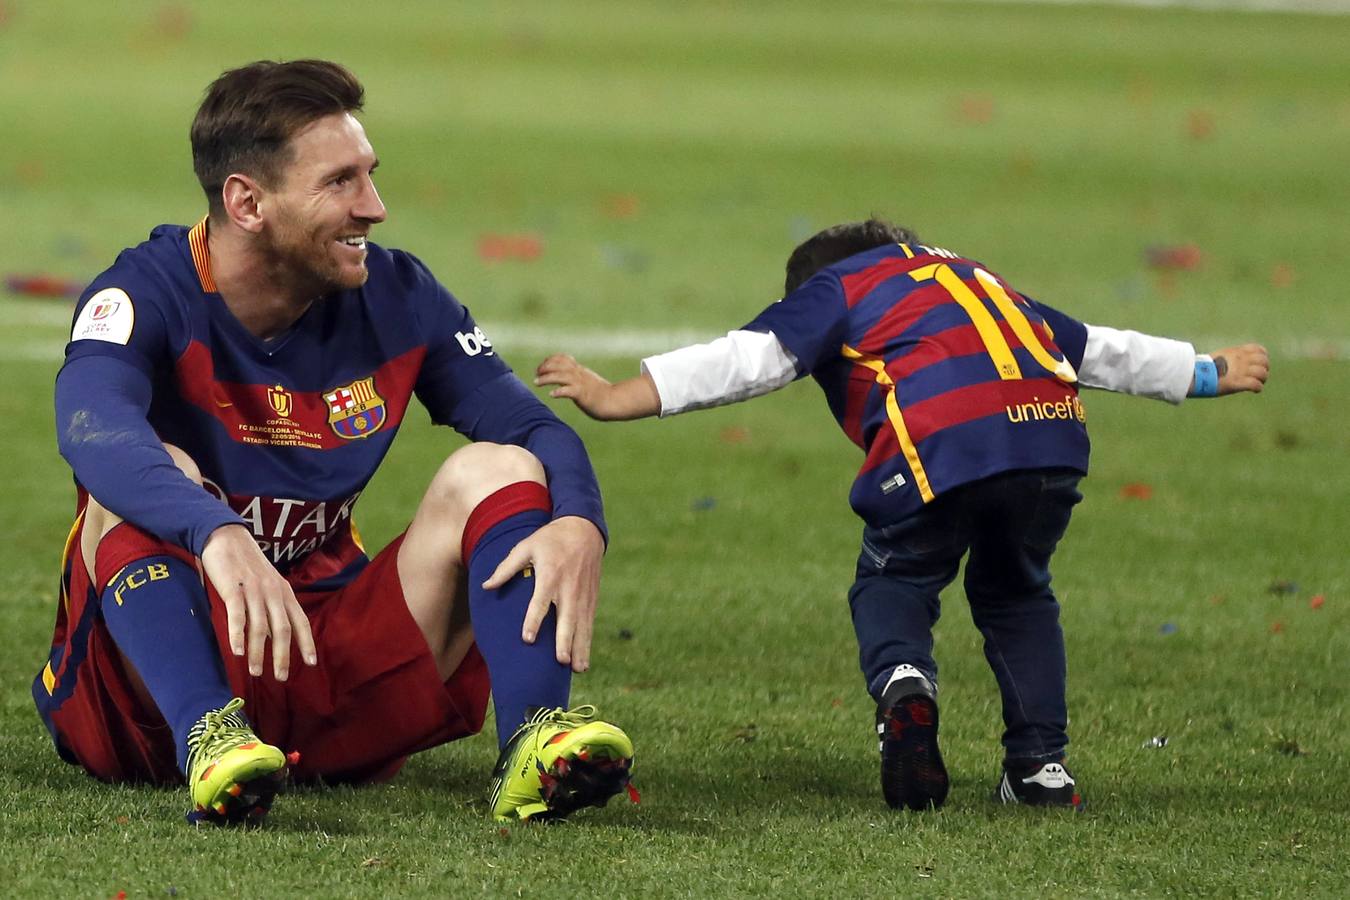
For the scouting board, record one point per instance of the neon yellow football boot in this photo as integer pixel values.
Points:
(233, 776)
(560, 761)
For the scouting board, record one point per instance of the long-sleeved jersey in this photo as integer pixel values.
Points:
(288, 432)
(933, 365)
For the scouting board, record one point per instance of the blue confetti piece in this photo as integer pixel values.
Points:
(703, 504)
(1167, 628)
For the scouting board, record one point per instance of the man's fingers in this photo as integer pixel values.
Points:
(581, 643)
(540, 601)
(256, 628)
(516, 562)
(280, 625)
(235, 616)
(304, 635)
(567, 618)
(569, 392)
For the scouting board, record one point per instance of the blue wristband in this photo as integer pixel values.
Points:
(1206, 378)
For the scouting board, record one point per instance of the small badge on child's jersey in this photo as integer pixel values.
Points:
(892, 484)
(108, 316)
(355, 410)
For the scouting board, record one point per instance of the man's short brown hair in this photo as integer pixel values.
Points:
(250, 114)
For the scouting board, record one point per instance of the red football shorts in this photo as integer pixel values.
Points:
(374, 698)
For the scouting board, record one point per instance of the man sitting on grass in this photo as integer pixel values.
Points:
(228, 392)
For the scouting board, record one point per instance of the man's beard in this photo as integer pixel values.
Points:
(308, 262)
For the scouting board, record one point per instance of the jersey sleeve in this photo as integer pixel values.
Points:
(1070, 335)
(459, 356)
(810, 323)
(122, 315)
(466, 385)
(738, 366)
(1127, 362)
(1130, 362)
(102, 431)
(122, 338)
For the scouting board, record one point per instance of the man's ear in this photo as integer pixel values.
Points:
(243, 200)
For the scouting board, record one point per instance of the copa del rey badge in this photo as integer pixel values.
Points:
(355, 410)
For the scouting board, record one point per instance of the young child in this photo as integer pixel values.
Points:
(963, 394)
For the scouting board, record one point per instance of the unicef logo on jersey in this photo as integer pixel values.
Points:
(474, 343)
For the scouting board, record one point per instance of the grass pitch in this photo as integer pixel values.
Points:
(666, 160)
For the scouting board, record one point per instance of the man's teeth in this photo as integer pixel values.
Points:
(357, 241)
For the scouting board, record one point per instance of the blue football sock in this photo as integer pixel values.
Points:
(157, 613)
(523, 675)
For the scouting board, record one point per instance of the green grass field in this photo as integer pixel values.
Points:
(668, 157)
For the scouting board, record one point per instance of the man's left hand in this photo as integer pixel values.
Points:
(565, 555)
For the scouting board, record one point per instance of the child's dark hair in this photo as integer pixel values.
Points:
(841, 242)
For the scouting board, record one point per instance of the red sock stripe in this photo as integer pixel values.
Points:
(499, 506)
(124, 545)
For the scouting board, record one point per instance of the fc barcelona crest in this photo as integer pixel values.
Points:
(280, 398)
(355, 410)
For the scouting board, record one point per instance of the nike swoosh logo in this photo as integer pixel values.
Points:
(223, 405)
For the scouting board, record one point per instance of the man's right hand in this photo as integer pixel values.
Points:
(259, 603)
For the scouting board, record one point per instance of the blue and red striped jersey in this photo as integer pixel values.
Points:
(287, 433)
(937, 369)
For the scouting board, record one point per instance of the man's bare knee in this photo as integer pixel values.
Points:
(475, 471)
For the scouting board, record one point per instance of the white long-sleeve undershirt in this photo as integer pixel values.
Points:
(745, 364)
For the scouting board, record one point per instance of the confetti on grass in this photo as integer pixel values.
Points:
(1136, 490)
(1317, 601)
(621, 206)
(504, 247)
(43, 285)
(1175, 257)
(1200, 124)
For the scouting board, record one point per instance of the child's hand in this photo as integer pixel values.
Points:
(1242, 368)
(575, 382)
(631, 399)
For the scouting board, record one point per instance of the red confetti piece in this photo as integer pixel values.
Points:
(1136, 491)
(1282, 276)
(621, 206)
(1317, 601)
(1217, 600)
(173, 22)
(42, 285)
(836, 703)
(976, 109)
(1175, 257)
(1277, 627)
(31, 171)
(735, 434)
(1199, 124)
(120, 895)
(503, 247)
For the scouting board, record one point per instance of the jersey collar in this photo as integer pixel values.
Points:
(201, 257)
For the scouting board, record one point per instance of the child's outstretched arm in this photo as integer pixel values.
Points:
(633, 398)
(738, 366)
